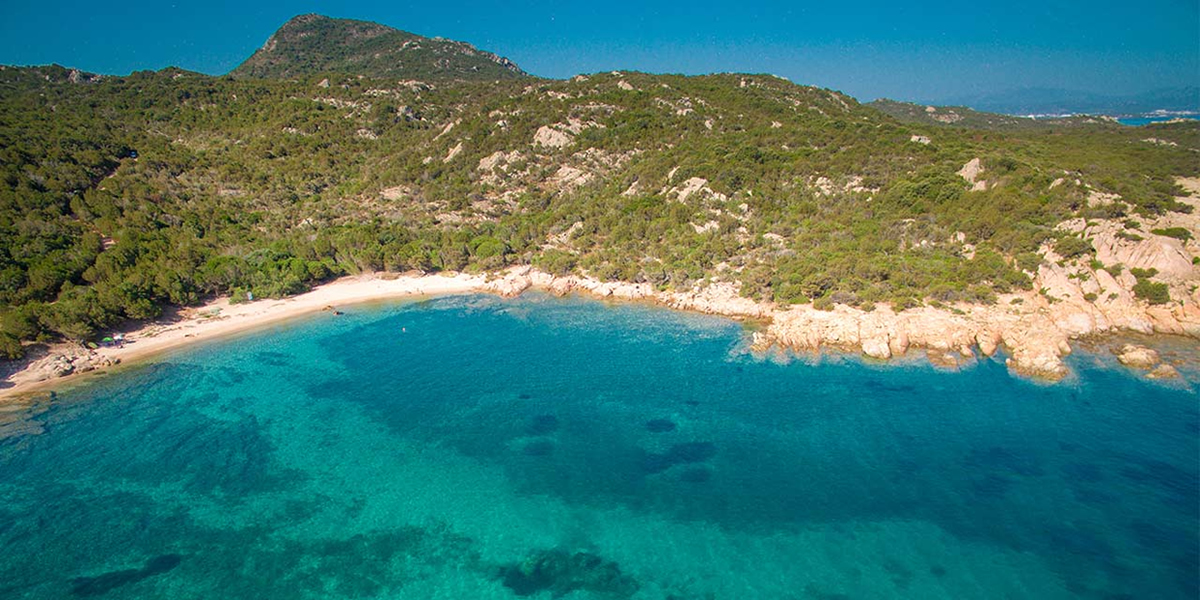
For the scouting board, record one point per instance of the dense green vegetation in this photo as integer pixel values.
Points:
(1148, 290)
(1179, 233)
(122, 196)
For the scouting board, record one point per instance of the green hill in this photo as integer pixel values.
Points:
(125, 195)
(315, 44)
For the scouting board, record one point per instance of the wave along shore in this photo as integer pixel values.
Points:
(1035, 330)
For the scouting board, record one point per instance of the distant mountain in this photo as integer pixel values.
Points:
(1051, 101)
(314, 44)
(10, 75)
(962, 116)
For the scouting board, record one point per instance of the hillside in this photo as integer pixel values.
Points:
(126, 195)
(314, 44)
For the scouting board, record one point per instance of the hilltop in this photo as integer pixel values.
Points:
(316, 44)
(126, 195)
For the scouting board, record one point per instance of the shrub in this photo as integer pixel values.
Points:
(1154, 293)
(1179, 233)
(487, 247)
(556, 262)
(1029, 261)
(10, 347)
(1071, 246)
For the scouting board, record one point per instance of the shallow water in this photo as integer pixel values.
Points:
(472, 447)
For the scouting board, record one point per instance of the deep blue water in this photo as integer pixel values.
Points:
(472, 447)
(1146, 120)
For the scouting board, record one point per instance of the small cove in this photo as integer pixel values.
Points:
(475, 447)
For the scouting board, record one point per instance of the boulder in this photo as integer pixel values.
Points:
(1138, 357)
(1163, 371)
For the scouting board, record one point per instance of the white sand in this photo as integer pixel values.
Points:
(220, 318)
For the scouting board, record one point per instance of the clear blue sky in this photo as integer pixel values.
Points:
(868, 48)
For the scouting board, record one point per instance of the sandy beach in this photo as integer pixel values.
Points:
(220, 317)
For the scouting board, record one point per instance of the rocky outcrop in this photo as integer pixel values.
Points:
(559, 135)
(1164, 254)
(1139, 357)
(716, 298)
(971, 172)
(1163, 371)
(549, 137)
(67, 360)
(1036, 347)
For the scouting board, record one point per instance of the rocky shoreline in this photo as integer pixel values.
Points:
(1035, 328)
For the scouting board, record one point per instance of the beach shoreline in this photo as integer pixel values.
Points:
(1036, 337)
(219, 319)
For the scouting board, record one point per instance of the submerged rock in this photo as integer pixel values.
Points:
(679, 454)
(695, 475)
(560, 573)
(543, 425)
(102, 584)
(660, 425)
(1163, 371)
(538, 447)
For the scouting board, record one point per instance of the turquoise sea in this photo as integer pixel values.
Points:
(473, 447)
(1147, 120)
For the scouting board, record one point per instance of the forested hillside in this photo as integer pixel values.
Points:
(125, 194)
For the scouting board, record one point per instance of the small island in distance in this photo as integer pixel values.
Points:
(348, 148)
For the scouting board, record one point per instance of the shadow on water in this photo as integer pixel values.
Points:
(660, 425)
(102, 584)
(543, 425)
(678, 454)
(561, 573)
